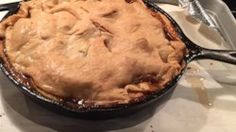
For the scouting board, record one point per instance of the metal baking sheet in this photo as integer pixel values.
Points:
(187, 111)
(221, 15)
(219, 10)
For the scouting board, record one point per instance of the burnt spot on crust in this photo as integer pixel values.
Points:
(100, 27)
(112, 14)
(108, 44)
(130, 1)
(151, 78)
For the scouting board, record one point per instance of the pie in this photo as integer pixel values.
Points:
(95, 52)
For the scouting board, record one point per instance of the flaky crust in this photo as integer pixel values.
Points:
(99, 51)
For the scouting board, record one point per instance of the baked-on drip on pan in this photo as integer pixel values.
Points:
(100, 52)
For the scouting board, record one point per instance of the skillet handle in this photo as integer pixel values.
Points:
(9, 7)
(228, 56)
(12, 8)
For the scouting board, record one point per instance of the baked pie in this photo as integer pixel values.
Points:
(100, 52)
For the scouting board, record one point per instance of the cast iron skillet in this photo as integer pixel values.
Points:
(195, 53)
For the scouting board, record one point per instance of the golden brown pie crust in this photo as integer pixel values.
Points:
(99, 51)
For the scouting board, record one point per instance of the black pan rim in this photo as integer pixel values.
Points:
(150, 97)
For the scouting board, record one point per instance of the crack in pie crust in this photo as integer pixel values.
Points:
(99, 51)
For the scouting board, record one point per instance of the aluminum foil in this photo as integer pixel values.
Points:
(196, 10)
